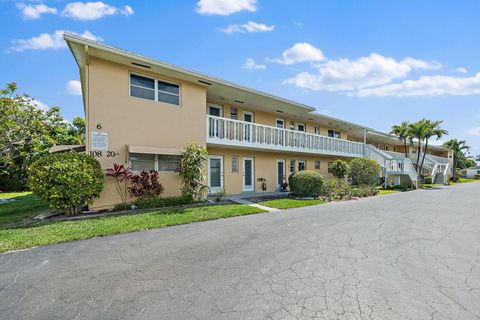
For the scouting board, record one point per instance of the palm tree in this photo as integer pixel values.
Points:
(433, 129)
(418, 130)
(457, 146)
(402, 132)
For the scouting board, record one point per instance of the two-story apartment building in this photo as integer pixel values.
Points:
(142, 112)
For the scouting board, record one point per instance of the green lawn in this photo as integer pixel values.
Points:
(464, 180)
(63, 231)
(289, 203)
(18, 229)
(21, 211)
(381, 192)
(430, 186)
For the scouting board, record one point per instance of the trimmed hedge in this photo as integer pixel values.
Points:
(364, 172)
(67, 181)
(306, 184)
(157, 202)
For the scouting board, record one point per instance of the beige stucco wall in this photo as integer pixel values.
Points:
(133, 121)
(265, 164)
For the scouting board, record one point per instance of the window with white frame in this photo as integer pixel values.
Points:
(330, 165)
(334, 134)
(317, 164)
(153, 89)
(292, 166)
(235, 164)
(159, 162)
(302, 165)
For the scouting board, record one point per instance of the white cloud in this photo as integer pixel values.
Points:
(32, 12)
(250, 26)
(225, 7)
(251, 65)
(46, 41)
(93, 10)
(426, 86)
(461, 70)
(74, 87)
(474, 132)
(300, 52)
(346, 75)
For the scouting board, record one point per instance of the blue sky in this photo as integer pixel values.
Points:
(371, 62)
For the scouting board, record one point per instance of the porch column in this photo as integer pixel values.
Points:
(364, 141)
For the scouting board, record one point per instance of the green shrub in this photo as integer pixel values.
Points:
(477, 177)
(192, 170)
(362, 192)
(145, 184)
(428, 180)
(157, 202)
(306, 184)
(337, 189)
(364, 172)
(402, 187)
(67, 181)
(339, 169)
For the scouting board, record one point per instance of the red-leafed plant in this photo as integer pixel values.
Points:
(145, 184)
(122, 175)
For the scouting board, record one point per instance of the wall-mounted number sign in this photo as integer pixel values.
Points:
(99, 141)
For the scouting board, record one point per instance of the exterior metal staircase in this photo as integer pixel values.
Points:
(393, 164)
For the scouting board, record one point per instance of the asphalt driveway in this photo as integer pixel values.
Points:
(413, 255)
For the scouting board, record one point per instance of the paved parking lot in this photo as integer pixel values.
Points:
(413, 255)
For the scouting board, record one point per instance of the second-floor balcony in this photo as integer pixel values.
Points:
(229, 132)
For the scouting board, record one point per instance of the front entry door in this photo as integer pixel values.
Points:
(215, 173)
(280, 173)
(248, 174)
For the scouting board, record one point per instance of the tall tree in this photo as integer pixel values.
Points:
(27, 132)
(433, 130)
(457, 147)
(402, 133)
(417, 132)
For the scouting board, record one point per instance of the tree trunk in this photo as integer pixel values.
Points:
(424, 153)
(405, 146)
(419, 149)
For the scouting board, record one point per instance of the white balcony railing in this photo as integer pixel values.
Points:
(224, 131)
(229, 132)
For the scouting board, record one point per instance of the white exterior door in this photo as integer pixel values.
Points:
(215, 173)
(248, 174)
(281, 174)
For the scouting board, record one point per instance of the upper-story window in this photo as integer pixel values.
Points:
(334, 134)
(317, 130)
(301, 127)
(153, 89)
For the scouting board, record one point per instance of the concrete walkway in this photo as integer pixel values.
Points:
(241, 200)
(412, 255)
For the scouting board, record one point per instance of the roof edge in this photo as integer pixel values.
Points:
(69, 37)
